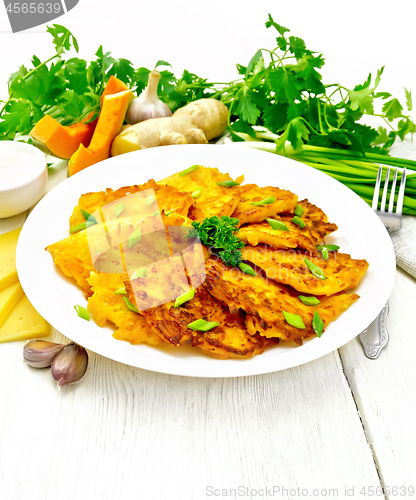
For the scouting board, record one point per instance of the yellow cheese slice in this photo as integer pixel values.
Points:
(24, 322)
(9, 297)
(8, 273)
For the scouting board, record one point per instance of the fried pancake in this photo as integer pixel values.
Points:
(307, 238)
(105, 305)
(312, 212)
(248, 213)
(167, 197)
(229, 339)
(73, 254)
(265, 300)
(214, 200)
(289, 268)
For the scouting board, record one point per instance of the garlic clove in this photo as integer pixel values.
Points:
(40, 353)
(148, 105)
(70, 365)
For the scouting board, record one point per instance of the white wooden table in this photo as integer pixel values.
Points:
(338, 427)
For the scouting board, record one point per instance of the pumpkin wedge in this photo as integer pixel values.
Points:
(113, 86)
(109, 124)
(61, 141)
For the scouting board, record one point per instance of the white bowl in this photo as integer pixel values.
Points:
(16, 199)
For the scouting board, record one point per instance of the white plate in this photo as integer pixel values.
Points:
(360, 234)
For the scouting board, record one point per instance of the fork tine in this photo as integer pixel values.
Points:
(386, 188)
(400, 198)
(377, 189)
(393, 192)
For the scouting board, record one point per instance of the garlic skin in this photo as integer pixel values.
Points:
(148, 105)
(40, 353)
(70, 365)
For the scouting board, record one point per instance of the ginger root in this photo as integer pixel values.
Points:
(196, 123)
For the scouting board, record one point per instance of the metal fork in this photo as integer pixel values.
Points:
(376, 336)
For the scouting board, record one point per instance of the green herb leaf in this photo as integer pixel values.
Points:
(299, 211)
(139, 273)
(409, 104)
(197, 192)
(88, 216)
(298, 221)
(247, 269)
(82, 312)
(228, 184)
(188, 170)
(267, 201)
(131, 306)
(184, 298)
(277, 225)
(392, 109)
(314, 269)
(201, 325)
(218, 233)
(80, 227)
(150, 199)
(121, 291)
(135, 237)
(317, 324)
(294, 320)
(309, 301)
(119, 208)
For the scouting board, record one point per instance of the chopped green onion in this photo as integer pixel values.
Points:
(294, 320)
(209, 326)
(228, 184)
(201, 325)
(188, 170)
(324, 250)
(317, 324)
(131, 306)
(121, 291)
(156, 213)
(329, 247)
(298, 221)
(184, 298)
(299, 211)
(309, 301)
(197, 192)
(246, 269)
(80, 227)
(88, 217)
(314, 269)
(278, 225)
(150, 199)
(135, 237)
(82, 312)
(139, 273)
(168, 212)
(119, 208)
(267, 201)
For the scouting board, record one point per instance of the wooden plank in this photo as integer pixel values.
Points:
(385, 390)
(124, 431)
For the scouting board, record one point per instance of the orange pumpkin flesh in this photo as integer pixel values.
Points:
(109, 124)
(114, 86)
(61, 141)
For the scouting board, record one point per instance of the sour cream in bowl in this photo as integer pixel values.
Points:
(23, 177)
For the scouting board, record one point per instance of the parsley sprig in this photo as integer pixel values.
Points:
(218, 233)
(280, 90)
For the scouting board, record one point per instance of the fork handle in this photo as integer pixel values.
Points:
(376, 336)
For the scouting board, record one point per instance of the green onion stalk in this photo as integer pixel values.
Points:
(353, 169)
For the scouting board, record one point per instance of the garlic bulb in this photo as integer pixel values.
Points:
(148, 105)
(70, 365)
